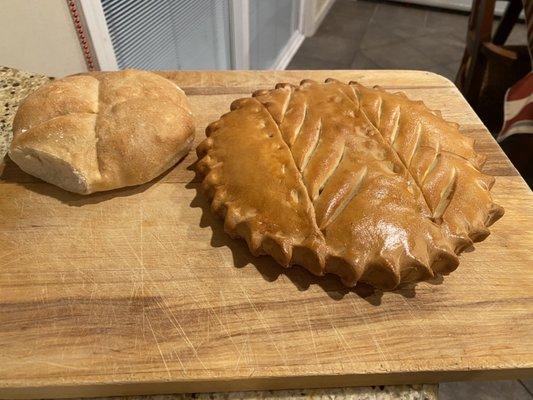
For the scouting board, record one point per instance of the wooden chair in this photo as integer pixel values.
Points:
(489, 67)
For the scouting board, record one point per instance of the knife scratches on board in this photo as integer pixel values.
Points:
(158, 347)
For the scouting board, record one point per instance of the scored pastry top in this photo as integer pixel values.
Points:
(344, 179)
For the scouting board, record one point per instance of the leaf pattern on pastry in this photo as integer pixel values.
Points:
(344, 179)
(441, 160)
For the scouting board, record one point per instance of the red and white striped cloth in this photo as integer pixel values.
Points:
(518, 106)
(518, 109)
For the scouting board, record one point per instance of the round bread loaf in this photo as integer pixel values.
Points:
(101, 131)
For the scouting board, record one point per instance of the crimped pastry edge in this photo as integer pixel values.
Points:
(378, 274)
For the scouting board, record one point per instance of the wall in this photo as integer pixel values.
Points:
(39, 36)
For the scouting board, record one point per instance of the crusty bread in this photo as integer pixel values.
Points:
(101, 131)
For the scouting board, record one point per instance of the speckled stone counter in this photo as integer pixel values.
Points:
(14, 87)
(420, 392)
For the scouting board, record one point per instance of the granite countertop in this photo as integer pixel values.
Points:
(405, 392)
(15, 85)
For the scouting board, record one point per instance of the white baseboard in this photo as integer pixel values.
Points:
(309, 21)
(288, 51)
(321, 15)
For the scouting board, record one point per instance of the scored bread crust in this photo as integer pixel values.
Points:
(344, 179)
(101, 131)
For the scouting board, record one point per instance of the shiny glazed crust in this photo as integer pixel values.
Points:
(344, 179)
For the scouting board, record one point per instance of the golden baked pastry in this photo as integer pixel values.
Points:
(343, 179)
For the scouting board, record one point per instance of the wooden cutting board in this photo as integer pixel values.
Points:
(140, 291)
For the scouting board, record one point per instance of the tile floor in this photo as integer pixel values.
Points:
(367, 34)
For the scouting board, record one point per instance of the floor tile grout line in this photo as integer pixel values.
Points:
(373, 14)
(358, 45)
(525, 387)
(413, 48)
(357, 49)
(395, 41)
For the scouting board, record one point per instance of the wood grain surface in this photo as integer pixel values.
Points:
(139, 290)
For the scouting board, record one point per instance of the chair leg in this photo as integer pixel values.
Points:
(472, 68)
(461, 72)
(509, 19)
